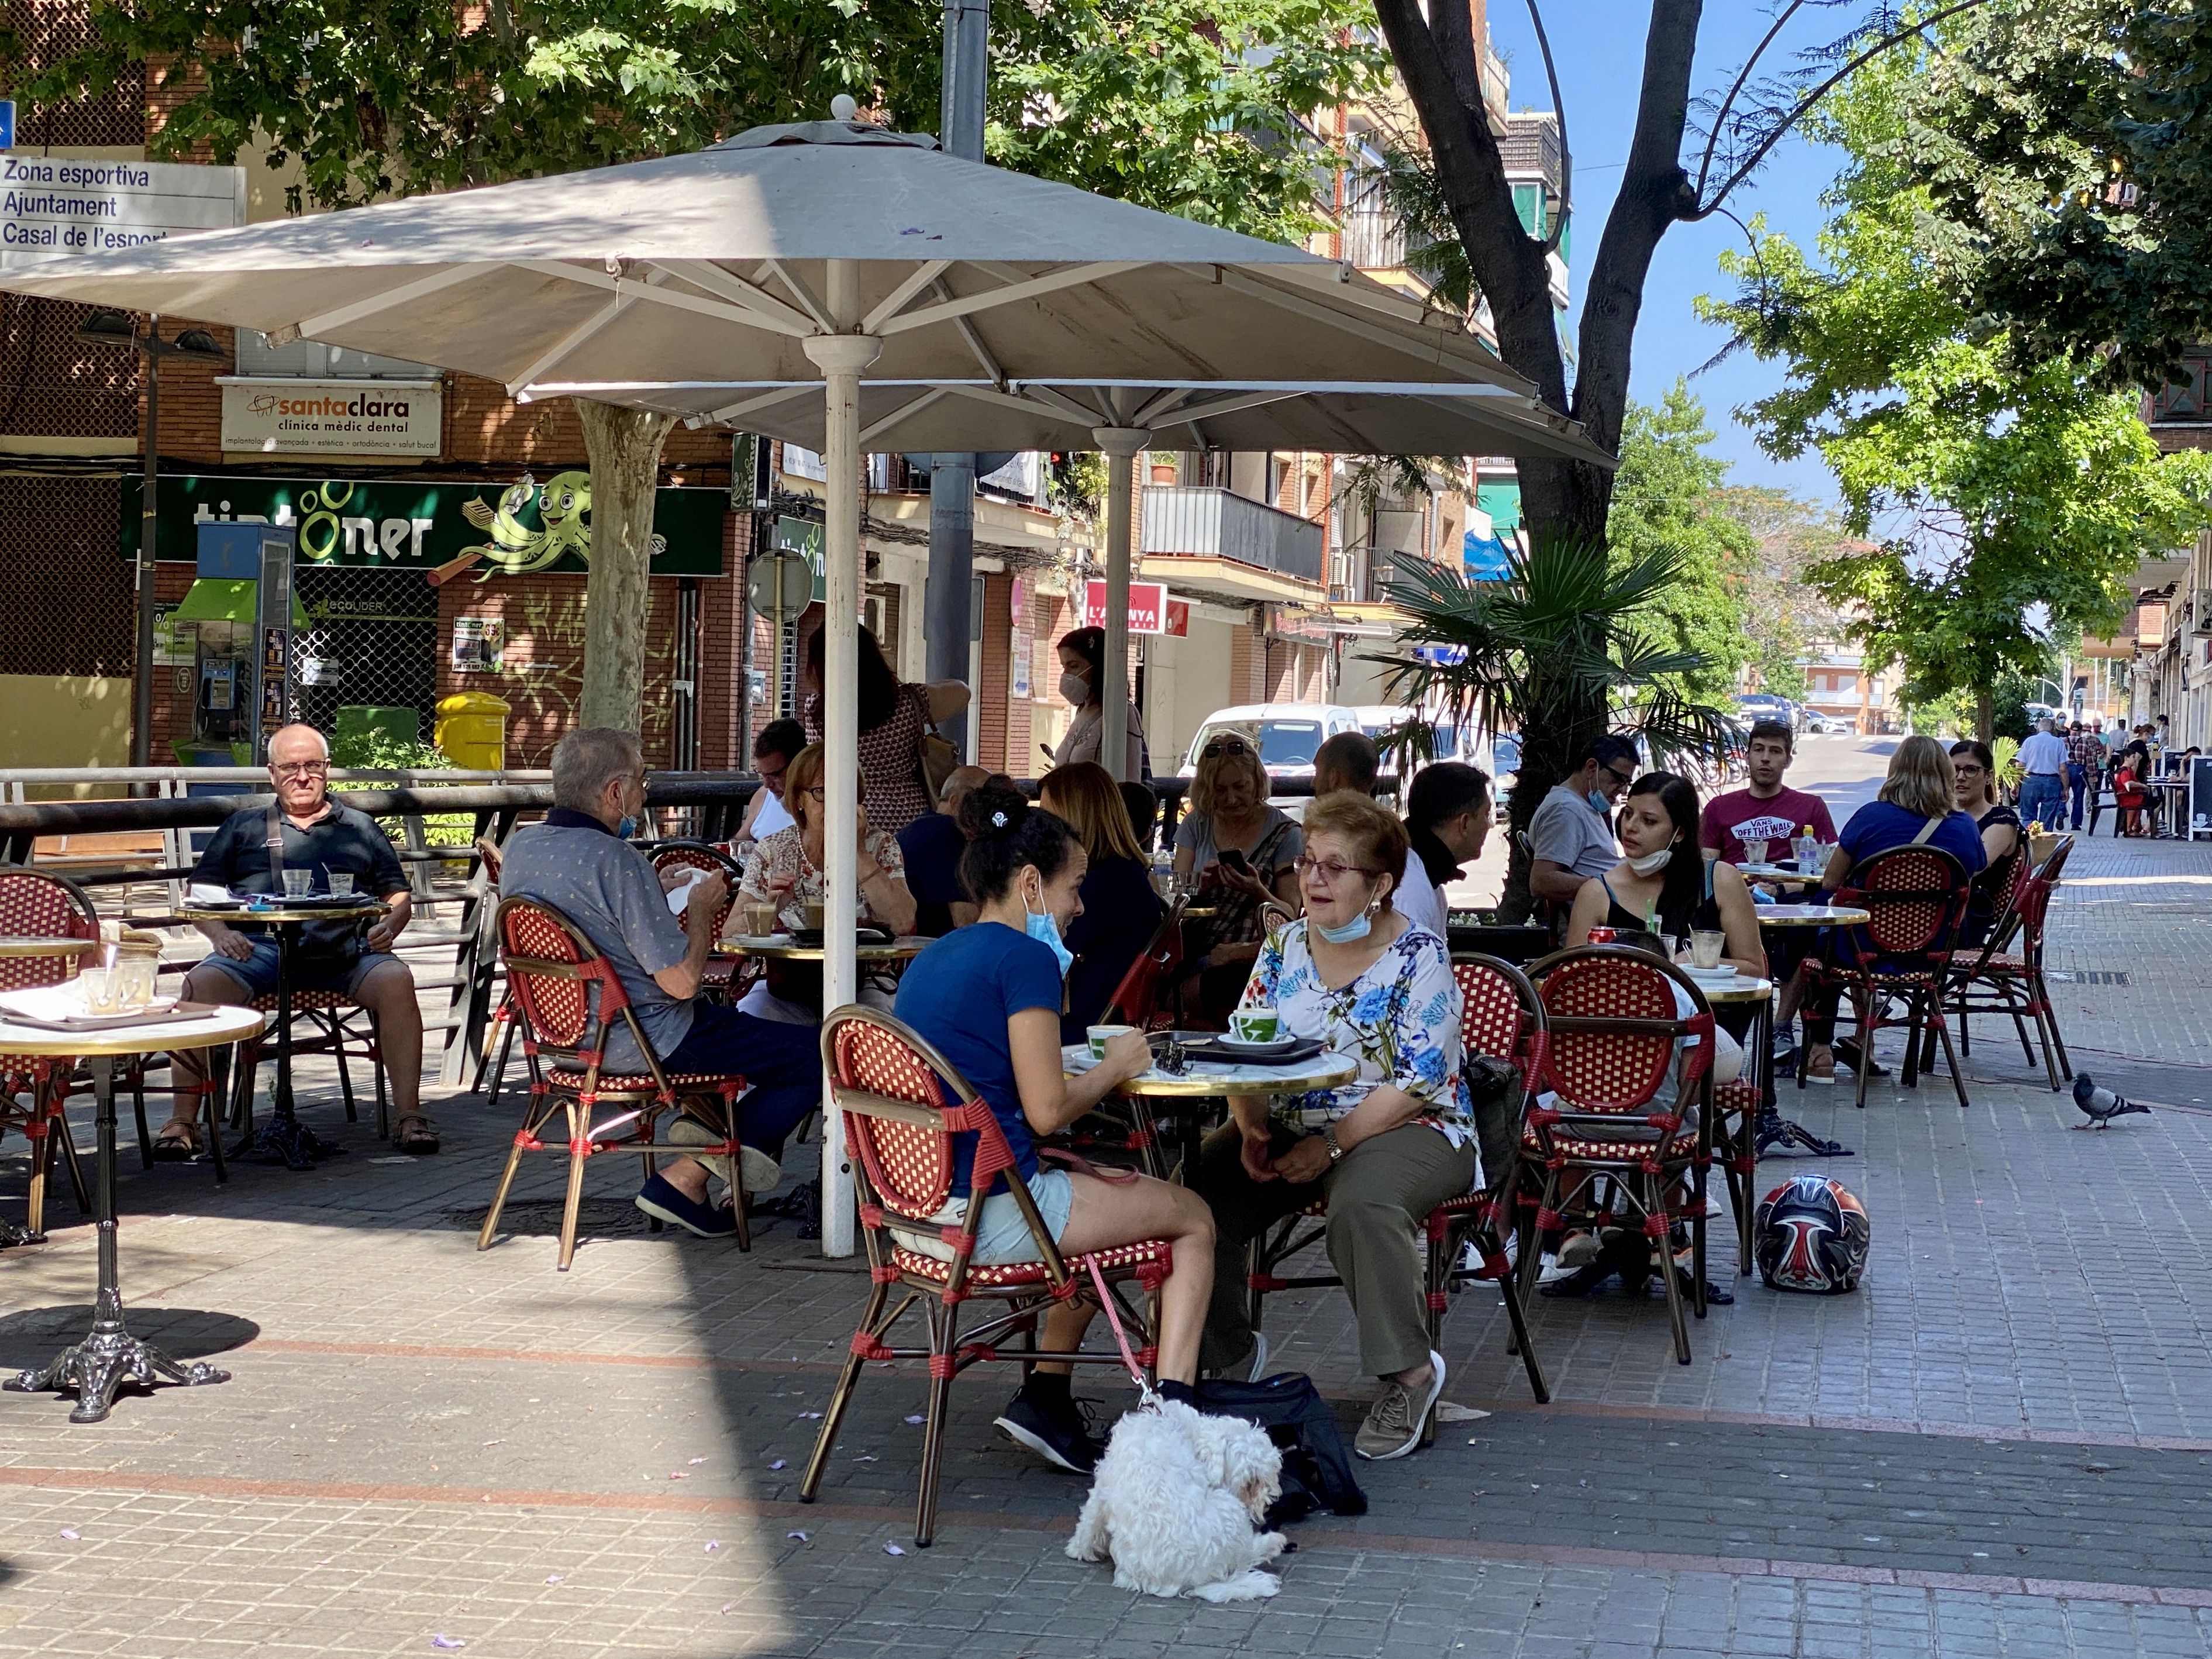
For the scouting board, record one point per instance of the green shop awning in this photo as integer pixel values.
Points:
(213, 599)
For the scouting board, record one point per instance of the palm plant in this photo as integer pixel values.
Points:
(1559, 651)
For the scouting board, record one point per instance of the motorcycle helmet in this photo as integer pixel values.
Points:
(1810, 1234)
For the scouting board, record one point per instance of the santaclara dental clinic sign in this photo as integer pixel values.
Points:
(332, 417)
(53, 207)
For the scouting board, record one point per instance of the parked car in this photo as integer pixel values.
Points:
(1827, 725)
(1286, 734)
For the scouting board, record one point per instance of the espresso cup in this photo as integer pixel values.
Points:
(1254, 1024)
(1100, 1036)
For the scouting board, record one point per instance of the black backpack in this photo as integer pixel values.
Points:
(1317, 1472)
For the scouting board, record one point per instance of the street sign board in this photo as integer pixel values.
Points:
(53, 207)
(1151, 609)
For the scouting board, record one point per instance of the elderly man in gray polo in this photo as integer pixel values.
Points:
(580, 862)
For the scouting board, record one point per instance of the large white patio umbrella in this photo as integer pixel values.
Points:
(816, 252)
(1500, 416)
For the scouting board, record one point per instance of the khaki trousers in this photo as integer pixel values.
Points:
(1378, 1194)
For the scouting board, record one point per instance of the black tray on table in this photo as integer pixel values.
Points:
(1209, 1046)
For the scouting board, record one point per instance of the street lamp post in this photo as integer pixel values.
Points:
(112, 328)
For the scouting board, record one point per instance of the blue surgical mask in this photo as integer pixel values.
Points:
(1357, 928)
(1598, 803)
(1045, 931)
(626, 827)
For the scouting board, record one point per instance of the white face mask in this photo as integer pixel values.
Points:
(1075, 689)
(1652, 862)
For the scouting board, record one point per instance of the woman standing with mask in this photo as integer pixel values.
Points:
(989, 996)
(1082, 658)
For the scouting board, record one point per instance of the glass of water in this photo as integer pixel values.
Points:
(296, 883)
(340, 884)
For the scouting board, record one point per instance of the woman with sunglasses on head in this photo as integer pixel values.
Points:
(1385, 1149)
(2003, 843)
(1239, 850)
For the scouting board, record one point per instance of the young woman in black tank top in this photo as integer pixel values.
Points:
(1676, 891)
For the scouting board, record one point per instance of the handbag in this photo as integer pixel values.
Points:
(935, 756)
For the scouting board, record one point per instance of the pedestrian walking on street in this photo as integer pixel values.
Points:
(2043, 790)
(2085, 761)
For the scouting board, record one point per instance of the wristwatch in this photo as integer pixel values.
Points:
(1328, 1134)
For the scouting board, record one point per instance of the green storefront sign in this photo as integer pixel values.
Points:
(446, 531)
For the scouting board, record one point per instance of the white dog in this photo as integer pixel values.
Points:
(1175, 1503)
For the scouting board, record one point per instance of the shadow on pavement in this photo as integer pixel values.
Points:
(33, 1336)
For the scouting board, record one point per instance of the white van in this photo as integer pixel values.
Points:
(1286, 734)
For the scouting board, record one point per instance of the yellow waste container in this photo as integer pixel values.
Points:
(471, 730)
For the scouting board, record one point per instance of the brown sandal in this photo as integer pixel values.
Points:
(177, 1141)
(420, 1138)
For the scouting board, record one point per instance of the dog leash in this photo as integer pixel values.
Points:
(1147, 1395)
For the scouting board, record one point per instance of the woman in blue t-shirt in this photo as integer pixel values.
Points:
(988, 997)
(1918, 807)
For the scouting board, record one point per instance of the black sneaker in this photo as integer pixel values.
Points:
(1065, 1440)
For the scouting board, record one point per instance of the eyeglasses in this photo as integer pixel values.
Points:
(817, 793)
(1623, 779)
(1330, 869)
(302, 769)
(1967, 771)
(1218, 746)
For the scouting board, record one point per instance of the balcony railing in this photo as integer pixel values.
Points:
(1215, 523)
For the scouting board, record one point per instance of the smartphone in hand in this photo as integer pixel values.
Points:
(1234, 860)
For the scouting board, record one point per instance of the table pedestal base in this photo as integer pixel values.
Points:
(1776, 1131)
(284, 1140)
(102, 1363)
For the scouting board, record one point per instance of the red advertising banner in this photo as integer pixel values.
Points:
(1151, 609)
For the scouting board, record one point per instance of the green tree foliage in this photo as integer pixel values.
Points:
(2012, 500)
(1666, 494)
(1561, 650)
(1192, 109)
(2069, 145)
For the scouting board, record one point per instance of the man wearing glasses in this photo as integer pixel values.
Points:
(313, 834)
(1571, 837)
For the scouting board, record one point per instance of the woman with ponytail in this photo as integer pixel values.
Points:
(989, 996)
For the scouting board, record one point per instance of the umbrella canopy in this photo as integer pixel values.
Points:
(815, 253)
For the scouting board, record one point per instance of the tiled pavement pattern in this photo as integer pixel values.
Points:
(2000, 1446)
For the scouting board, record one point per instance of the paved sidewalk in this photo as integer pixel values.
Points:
(2001, 1445)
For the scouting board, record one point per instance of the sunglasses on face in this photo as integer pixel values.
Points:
(1220, 747)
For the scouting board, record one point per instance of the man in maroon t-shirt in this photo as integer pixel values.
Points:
(1763, 809)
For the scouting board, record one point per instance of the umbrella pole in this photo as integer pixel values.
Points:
(840, 357)
(1121, 444)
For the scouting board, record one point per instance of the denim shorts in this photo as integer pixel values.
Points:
(1001, 1234)
(258, 973)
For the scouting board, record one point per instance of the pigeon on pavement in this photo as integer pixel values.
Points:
(2101, 1105)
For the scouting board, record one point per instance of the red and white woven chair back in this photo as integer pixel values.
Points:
(1913, 897)
(2032, 907)
(699, 856)
(33, 906)
(1138, 999)
(557, 1006)
(1499, 1012)
(910, 1166)
(2053, 864)
(1597, 1071)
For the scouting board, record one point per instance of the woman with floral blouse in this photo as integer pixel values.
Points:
(1385, 1148)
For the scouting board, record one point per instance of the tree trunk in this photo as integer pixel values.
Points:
(624, 447)
(1985, 713)
(1438, 65)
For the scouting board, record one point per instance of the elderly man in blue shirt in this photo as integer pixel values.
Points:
(2043, 790)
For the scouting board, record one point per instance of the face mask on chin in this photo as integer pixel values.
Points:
(1650, 863)
(1044, 929)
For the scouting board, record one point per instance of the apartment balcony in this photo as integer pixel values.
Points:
(1196, 535)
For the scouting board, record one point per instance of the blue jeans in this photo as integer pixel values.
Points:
(2078, 785)
(2042, 798)
(783, 1062)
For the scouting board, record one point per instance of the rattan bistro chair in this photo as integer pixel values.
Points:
(1625, 1103)
(552, 972)
(903, 1104)
(34, 1092)
(1500, 1017)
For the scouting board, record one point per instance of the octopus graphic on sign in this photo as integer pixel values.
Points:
(516, 548)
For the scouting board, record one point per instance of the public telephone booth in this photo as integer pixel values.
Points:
(220, 610)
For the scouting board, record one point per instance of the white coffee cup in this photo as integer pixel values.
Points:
(1256, 1024)
(1100, 1036)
